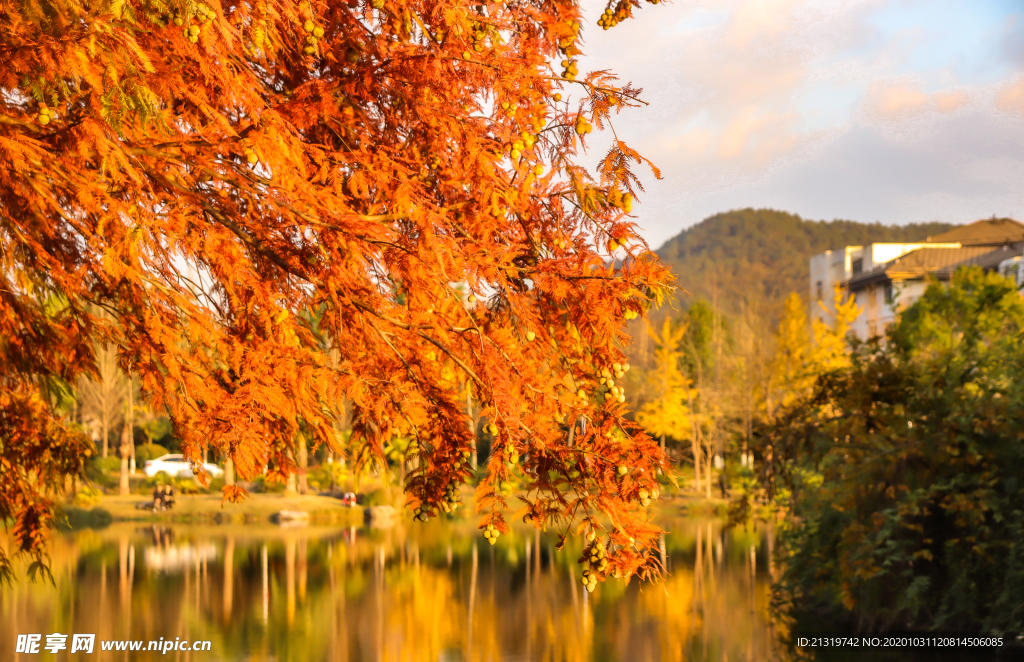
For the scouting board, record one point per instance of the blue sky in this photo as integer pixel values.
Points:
(891, 110)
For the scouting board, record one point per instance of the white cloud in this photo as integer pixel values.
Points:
(745, 94)
(952, 101)
(1010, 97)
(887, 101)
(903, 99)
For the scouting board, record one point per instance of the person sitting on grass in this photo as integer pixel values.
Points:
(163, 497)
(168, 497)
(158, 498)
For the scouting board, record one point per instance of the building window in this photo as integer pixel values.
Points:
(888, 293)
(858, 265)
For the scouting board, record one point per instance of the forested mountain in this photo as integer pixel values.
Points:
(761, 255)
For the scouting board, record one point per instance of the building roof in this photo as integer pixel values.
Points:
(984, 243)
(988, 232)
(989, 260)
(918, 264)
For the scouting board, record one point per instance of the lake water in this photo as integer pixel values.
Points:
(431, 592)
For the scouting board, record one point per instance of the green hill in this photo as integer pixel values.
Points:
(761, 255)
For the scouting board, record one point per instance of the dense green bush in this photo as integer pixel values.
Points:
(110, 464)
(180, 485)
(103, 471)
(188, 486)
(147, 452)
(261, 484)
(159, 479)
(378, 497)
(79, 518)
(87, 497)
(905, 471)
(321, 476)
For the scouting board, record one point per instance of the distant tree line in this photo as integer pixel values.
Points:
(760, 255)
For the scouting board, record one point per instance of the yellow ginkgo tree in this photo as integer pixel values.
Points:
(793, 343)
(667, 415)
(830, 350)
(807, 351)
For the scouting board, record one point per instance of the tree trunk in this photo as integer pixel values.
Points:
(290, 485)
(331, 468)
(303, 465)
(694, 440)
(129, 422)
(124, 459)
(229, 471)
(472, 428)
(707, 483)
(106, 432)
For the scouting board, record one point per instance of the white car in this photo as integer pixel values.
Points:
(178, 466)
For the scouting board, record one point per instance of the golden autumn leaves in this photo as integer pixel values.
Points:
(277, 236)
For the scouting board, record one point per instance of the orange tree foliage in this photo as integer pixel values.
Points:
(245, 186)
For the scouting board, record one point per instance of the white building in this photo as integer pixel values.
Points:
(1013, 268)
(832, 267)
(887, 277)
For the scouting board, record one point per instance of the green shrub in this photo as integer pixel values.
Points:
(109, 464)
(147, 452)
(96, 471)
(87, 497)
(378, 497)
(159, 479)
(906, 470)
(187, 486)
(79, 518)
(263, 485)
(323, 474)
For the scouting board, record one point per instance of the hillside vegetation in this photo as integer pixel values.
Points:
(734, 271)
(762, 254)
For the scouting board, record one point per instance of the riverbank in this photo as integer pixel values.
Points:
(256, 509)
(259, 508)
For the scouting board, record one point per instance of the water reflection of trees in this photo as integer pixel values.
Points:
(428, 593)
